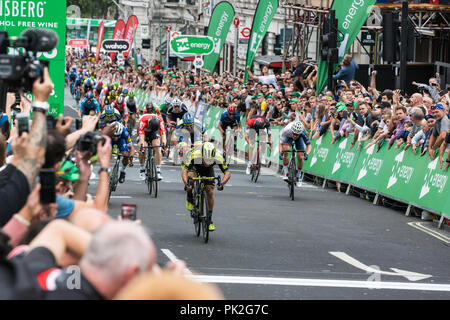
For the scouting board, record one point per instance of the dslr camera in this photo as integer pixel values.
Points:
(88, 143)
(19, 71)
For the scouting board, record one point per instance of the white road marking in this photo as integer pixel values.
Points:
(322, 283)
(121, 197)
(174, 258)
(411, 276)
(431, 232)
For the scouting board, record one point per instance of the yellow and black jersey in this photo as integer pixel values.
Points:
(196, 162)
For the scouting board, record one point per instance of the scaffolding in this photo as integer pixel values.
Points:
(306, 21)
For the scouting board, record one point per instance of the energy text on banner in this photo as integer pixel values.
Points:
(351, 16)
(101, 33)
(218, 28)
(119, 31)
(18, 16)
(265, 11)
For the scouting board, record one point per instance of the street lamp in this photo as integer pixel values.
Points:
(123, 11)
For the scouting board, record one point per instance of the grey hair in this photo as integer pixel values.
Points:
(417, 113)
(118, 245)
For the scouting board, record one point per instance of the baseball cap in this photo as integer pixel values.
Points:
(293, 100)
(438, 106)
(296, 94)
(68, 171)
(340, 106)
(429, 116)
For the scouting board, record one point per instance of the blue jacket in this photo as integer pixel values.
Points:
(347, 73)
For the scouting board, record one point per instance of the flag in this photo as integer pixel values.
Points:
(351, 16)
(101, 33)
(119, 30)
(265, 11)
(218, 28)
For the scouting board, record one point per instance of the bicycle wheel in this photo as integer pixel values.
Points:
(257, 168)
(155, 179)
(198, 212)
(291, 178)
(114, 179)
(205, 219)
(148, 174)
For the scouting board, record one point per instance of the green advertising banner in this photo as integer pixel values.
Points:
(218, 28)
(17, 16)
(351, 16)
(265, 11)
(197, 45)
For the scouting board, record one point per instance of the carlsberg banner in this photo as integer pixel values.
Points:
(265, 11)
(351, 16)
(17, 16)
(219, 25)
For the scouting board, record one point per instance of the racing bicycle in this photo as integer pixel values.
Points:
(200, 215)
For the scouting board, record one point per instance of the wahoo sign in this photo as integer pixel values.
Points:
(115, 45)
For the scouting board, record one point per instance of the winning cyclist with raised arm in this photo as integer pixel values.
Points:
(294, 133)
(201, 164)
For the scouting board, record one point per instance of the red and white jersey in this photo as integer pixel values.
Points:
(143, 123)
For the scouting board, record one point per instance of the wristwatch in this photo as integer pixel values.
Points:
(107, 170)
(40, 106)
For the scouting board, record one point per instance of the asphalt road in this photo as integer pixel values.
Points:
(323, 245)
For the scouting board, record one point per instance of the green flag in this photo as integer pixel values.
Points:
(351, 16)
(265, 11)
(219, 25)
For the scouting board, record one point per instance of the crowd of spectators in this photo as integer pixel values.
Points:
(419, 121)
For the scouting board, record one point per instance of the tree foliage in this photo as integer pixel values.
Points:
(92, 8)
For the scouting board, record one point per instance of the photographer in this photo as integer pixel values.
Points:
(18, 178)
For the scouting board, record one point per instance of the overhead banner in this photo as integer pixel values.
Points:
(130, 31)
(265, 11)
(351, 16)
(18, 16)
(119, 31)
(218, 28)
(101, 33)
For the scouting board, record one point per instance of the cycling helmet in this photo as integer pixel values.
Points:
(125, 92)
(100, 84)
(154, 124)
(176, 102)
(259, 124)
(109, 110)
(131, 94)
(208, 152)
(110, 88)
(231, 109)
(168, 100)
(120, 99)
(188, 119)
(89, 96)
(119, 129)
(68, 171)
(149, 107)
(297, 128)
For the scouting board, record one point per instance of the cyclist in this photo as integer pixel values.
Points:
(72, 77)
(131, 103)
(77, 88)
(88, 85)
(122, 139)
(109, 115)
(229, 118)
(151, 131)
(88, 106)
(175, 112)
(294, 132)
(120, 106)
(164, 107)
(201, 164)
(98, 89)
(257, 125)
(191, 128)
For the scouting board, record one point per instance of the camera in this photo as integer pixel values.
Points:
(18, 72)
(88, 142)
